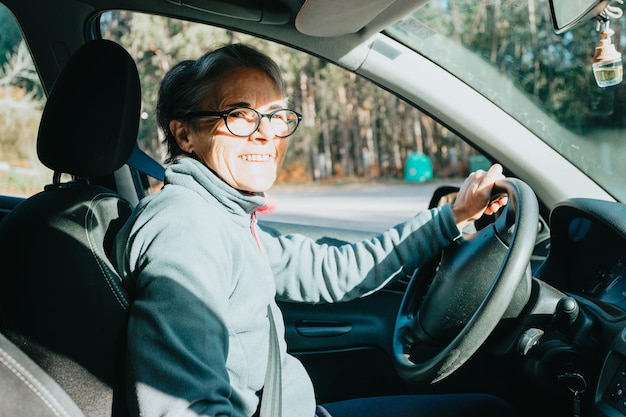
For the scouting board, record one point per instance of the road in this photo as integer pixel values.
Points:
(355, 206)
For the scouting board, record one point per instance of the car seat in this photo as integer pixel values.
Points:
(63, 304)
(26, 390)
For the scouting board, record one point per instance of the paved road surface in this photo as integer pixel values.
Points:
(364, 207)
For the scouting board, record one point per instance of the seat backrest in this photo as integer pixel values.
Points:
(26, 390)
(64, 304)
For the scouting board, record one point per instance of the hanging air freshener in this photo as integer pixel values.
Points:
(607, 61)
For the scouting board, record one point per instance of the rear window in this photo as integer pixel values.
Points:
(21, 104)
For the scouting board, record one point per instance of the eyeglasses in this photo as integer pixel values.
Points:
(243, 121)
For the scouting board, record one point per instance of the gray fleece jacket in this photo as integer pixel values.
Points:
(202, 274)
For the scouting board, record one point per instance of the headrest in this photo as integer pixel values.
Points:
(90, 122)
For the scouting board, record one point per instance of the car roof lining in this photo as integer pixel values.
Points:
(312, 17)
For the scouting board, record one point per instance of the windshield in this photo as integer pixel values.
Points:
(544, 80)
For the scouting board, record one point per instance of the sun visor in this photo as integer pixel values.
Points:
(336, 18)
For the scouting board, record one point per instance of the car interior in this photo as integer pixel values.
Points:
(538, 319)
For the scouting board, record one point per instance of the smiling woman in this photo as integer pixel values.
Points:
(224, 291)
(246, 146)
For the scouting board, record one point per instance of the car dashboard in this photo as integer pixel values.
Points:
(588, 252)
(587, 262)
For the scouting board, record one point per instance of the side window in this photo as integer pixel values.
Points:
(353, 132)
(21, 104)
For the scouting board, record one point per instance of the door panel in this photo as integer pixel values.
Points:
(346, 347)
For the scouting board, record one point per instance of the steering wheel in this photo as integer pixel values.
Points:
(442, 322)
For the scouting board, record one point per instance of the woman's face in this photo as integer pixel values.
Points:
(246, 163)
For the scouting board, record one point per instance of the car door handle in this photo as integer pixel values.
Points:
(322, 328)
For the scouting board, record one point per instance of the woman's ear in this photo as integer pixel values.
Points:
(180, 131)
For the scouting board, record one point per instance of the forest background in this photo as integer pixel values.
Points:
(351, 128)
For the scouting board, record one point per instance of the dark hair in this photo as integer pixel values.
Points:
(187, 84)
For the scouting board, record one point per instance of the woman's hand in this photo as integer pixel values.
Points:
(473, 199)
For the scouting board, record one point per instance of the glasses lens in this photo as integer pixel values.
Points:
(242, 121)
(284, 122)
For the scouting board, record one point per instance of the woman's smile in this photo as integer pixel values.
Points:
(256, 157)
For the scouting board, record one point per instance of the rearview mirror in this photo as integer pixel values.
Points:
(567, 14)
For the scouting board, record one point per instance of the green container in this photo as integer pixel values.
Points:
(477, 162)
(418, 168)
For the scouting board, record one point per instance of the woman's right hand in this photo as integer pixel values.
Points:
(475, 196)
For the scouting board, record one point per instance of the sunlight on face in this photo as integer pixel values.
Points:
(246, 163)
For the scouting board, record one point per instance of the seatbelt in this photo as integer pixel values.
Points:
(271, 402)
(142, 162)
